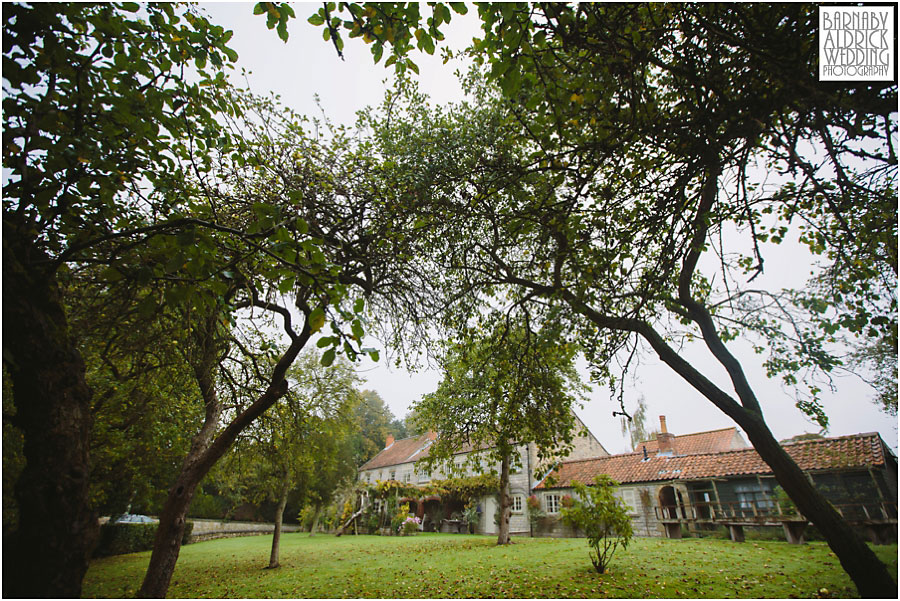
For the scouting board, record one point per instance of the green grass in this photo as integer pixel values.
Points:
(444, 565)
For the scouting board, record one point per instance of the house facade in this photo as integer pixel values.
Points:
(397, 462)
(672, 488)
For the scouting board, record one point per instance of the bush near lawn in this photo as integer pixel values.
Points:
(453, 565)
(118, 539)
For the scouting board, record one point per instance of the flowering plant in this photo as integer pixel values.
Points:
(410, 525)
(567, 501)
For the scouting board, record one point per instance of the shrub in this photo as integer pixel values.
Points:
(535, 513)
(410, 525)
(397, 519)
(118, 539)
(603, 518)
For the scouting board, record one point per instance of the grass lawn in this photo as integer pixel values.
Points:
(447, 565)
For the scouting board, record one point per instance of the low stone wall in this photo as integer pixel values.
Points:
(212, 529)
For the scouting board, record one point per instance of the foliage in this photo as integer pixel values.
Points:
(399, 26)
(635, 425)
(118, 539)
(462, 488)
(602, 517)
(641, 163)
(410, 525)
(471, 567)
(535, 512)
(375, 421)
(397, 519)
(471, 515)
(784, 501)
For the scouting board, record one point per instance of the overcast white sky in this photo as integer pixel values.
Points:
(306, 65)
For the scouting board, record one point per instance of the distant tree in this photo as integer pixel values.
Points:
(635, 425)
(411, 422)
(292, 445)
(375, 423)
(602, 517)
(508, 381)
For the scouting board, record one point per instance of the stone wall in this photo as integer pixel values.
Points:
(211, 529)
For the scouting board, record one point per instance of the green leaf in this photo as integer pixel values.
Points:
(328, 357)
(325, 341)
(359, 305)
(316, 319)
(286, 285)
(260, 8)
(131, 7)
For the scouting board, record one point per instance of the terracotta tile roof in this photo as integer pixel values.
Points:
(402, 451)
(407, 450)
(855, 450)
(713, 441)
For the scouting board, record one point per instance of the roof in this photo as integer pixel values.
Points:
(856, 450)
(402, 451)
(412, 449)
(713, 441)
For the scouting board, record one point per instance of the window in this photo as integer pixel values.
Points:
(516, 503)
(552, 503)
(407, 477)
(424, 475)
(629, 498)
(751, 497)
(393, 475)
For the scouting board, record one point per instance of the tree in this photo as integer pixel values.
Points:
(293, 214)
(635, 425)
(296, 445)
(640, 128)
(508, 382)
(375, 422)
(602, 517)
(82, 135)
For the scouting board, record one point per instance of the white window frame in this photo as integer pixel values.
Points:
(393, 474)
(407, 477)
(517, 503)
(552, 502)
(423, 475)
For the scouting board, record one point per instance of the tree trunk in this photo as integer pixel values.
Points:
(48, 554)
(201, 458)
(868, 573)
(505, 505)
(315, 522)
(279, 516)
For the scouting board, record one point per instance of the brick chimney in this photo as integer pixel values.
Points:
(389, 441)
(664, 439)
(432, 435)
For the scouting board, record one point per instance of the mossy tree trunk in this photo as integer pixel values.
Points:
(48, 554)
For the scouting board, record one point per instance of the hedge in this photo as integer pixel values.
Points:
(117, 539)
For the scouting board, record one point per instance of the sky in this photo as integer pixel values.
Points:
(307, 66)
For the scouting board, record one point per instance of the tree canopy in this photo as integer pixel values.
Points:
(508, 382)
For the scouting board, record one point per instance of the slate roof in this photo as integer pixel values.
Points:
(713, 441)
(855, 450)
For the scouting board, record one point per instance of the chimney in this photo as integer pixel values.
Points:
(389, 441)
(432, 435)
(664, 439)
